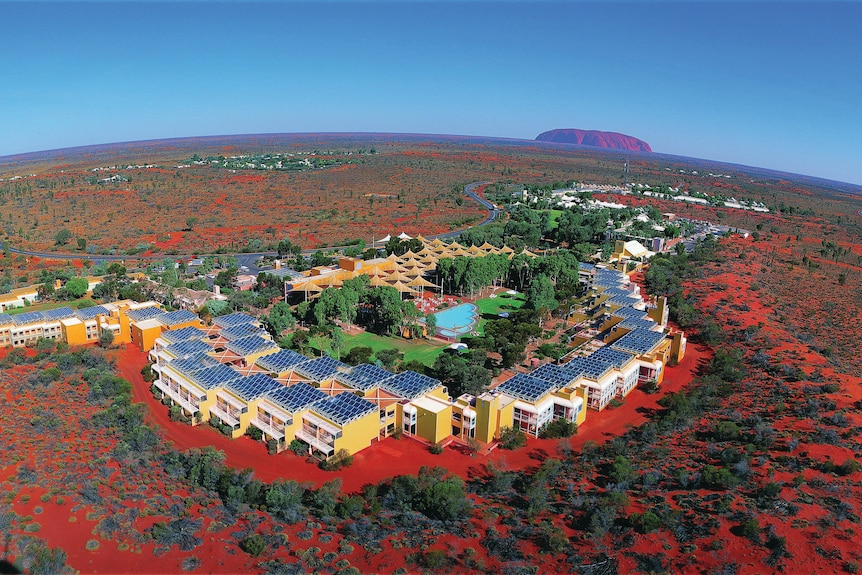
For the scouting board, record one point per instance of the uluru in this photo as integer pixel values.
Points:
(595, 138)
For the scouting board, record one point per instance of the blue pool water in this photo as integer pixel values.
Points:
(456, 321)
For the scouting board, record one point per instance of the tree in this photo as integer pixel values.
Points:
(76, 287)
(431, 324)
(336, 342)
(358, 354)
(280, 318)
(62, 237)
(388, 357)
(191, 222)
(82, 244)
(106, 338)
(540, 294)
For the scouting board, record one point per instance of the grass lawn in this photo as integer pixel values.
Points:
(490, 307)
(74, 304)
(555, 217)
(422, 351)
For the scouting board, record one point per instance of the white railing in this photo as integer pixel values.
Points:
(268, 429)
(224, 416)
(315, 442)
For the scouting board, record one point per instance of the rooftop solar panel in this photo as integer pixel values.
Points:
(58, 313)
(193, 363)
(638, 323)
(639, 341)
(319, 369)
(215, 376)
(251, 344)
(629, 312)
(91, 312)
(553, 374)
(410, 384)
(612, 356)
(233, 319)
(586, 267)
(188, 348)
(590, 367)
(28, 317)
(281, 361)
(5, 318)
(343, 408)
(241, 330)
(143, 313)
(254, 386)
(364, 376)
(183, 334)
(177, 317)
(296, 397)
(524, 387)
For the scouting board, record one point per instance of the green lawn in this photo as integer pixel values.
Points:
(422, 351)
(489, 308)
(555, 217)
(74, 304)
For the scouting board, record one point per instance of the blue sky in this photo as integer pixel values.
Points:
(771, 84)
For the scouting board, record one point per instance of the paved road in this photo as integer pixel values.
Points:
(248, 260)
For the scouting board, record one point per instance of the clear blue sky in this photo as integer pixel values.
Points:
(772, 84)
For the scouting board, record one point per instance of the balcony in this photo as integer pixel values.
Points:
(315, 442)
(224, 416)
(268, 429)
(175, 396)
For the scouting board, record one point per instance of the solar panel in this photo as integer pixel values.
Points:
(233, 319)
(188, 348)
(183, 334)
(638, 323)
(177, 317)
(28, 317)
(586, 267)
(410, 384)
(611, 356)
(193, 364)
(524, 387)
(251, 344)
(143, 313)
(58, 313)
(215, 376)
(629, 312)
(296, 397)
(280, 361)
(363, 377)
(241, 330)
(553, 374)
(319, 369)
(639, 341)
(91, 312)
(623, 301)
(343, 408)
(252, 387)
(5, 318)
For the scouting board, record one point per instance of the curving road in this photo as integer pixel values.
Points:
(248, 258)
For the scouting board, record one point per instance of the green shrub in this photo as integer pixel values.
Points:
(511, 438)
(436, 449)
(254, 544)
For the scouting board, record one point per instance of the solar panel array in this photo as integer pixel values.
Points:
(183, 334)
(28, 317)
(623, 301)
(553, 374)
(177, 317)
(343, 408)
(525, 387)
(233, 319)
(296, 397)
(193, 364)
(188, 348)
(5, 318)
(281, 361)
(215, 376)
(144, 313)
(364, 376)
(639, 341)
(629, 312)
(410, 384)
(254, 386)
(638, 323)
(91, 312)
(586, 267)
(612, 356)
(241, 330)
(251, 344)
(618, 291)
(319, 369)
(589, 367)
(58, 313)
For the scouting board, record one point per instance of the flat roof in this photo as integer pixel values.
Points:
(431, 404)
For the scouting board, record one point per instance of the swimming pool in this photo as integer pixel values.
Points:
(456, 321)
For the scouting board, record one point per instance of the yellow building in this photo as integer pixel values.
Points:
(148, 322)
(278, 413)
(345, 421)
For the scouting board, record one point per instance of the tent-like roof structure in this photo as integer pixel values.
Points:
(404, 236)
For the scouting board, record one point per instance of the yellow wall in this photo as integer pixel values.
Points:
(145, 338)
(677, 346)
(486, 418)
(358, 434)
(207, 403)
(439, 393)
(74, 334)
(434, 427)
